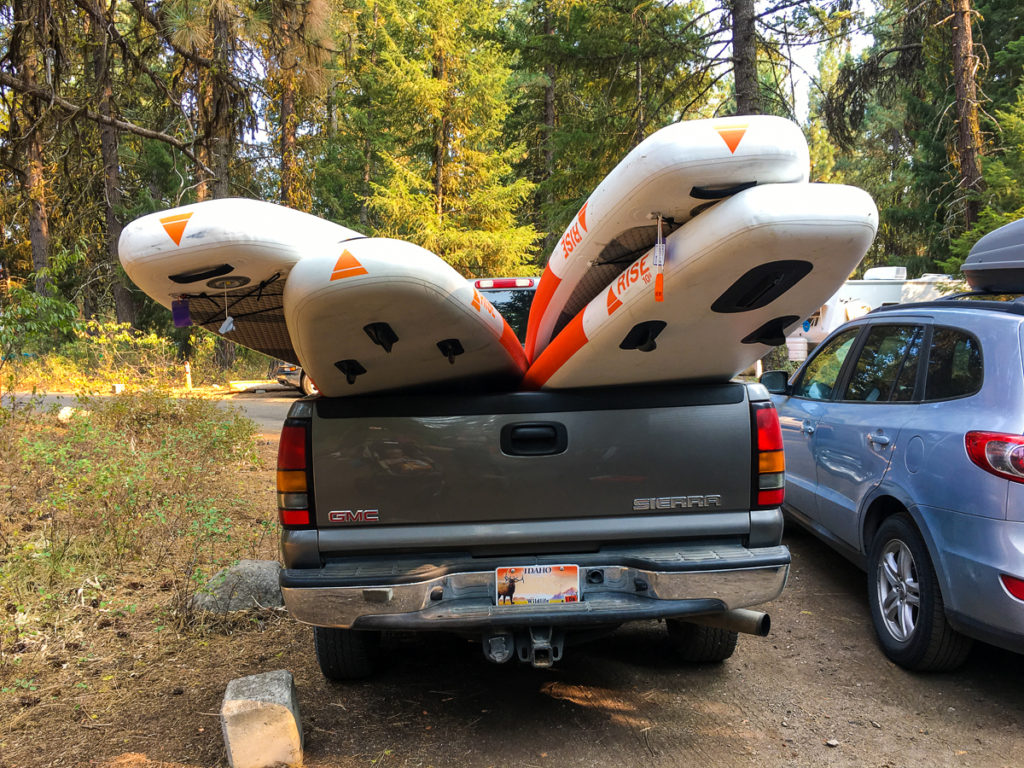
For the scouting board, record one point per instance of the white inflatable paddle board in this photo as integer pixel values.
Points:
(226, 258)
(377, 315)
(676, 172)
(736, 279)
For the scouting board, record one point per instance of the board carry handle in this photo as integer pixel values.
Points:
(642, 336)
(718, 193)
(185, 278)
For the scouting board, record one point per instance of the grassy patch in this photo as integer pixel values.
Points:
(127, 507)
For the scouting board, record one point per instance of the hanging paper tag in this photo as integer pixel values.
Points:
(180, 313)
(659, 264)
(229, 322)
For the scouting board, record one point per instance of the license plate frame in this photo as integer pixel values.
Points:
(536, 585)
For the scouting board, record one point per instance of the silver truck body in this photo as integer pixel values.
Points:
(418, 499)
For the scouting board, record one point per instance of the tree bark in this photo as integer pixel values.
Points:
(441, 131)
(124, 302)
(744, 58)
(968, 143)
(287, 63)
(28, 118)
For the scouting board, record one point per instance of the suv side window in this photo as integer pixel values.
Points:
(819, 377)
(954, 365)
(886, 367)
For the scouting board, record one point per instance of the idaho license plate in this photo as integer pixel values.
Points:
(537, 584)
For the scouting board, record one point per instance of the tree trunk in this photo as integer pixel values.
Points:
(33, 19)
(744, 58)
(968, 140)
(219, 132)
(124, 302)
(441, 130)
(641, 126)
(287, 63)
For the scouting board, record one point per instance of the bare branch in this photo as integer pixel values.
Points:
(50, 98)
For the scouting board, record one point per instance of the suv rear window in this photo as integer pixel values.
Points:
(954, 365)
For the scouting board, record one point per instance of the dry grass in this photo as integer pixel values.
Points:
(108, 525)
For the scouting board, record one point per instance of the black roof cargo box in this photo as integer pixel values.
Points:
(996, 262)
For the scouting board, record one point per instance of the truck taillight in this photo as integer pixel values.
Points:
(769, 460)
(293, 506)
(998, 453)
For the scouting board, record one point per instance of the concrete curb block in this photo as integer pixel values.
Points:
(261, 722)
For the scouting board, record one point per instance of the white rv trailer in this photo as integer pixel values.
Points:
(881, 286)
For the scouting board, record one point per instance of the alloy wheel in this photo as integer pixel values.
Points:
(899, 593)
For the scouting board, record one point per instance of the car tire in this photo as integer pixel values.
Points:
(906, 603)
(307, 386)
(346, 654)
(699, 643)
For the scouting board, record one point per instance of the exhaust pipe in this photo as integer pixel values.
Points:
(736, 620)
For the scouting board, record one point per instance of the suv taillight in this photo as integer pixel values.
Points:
(998, 453)
(293, 508)
(769, 461)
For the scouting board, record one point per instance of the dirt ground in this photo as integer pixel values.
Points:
(815, 692)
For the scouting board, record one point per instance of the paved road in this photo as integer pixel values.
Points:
(267, 408)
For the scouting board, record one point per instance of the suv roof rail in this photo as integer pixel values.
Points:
(1015, 307)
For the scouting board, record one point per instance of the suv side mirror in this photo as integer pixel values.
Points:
(776, 382)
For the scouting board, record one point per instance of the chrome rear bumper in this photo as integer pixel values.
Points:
(625, 584)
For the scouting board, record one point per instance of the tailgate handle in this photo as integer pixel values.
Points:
(534, 438)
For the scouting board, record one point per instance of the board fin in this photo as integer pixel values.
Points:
(772, 333)
(450, 348)
(381, 334)
(351, 368)
(642, 336)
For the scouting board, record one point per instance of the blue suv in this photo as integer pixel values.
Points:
(904, 444)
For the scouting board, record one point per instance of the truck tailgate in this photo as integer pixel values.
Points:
(456, 459)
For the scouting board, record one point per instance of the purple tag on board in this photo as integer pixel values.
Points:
(180, 313)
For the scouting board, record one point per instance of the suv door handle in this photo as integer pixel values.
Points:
(807, 428)
(877, 439)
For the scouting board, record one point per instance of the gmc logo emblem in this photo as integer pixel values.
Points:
(354, 516)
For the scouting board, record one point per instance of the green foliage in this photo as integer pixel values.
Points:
(31, 323)
(1004, 194)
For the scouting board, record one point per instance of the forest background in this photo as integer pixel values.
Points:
(475, 128)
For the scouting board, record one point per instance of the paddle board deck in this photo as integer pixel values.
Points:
(380, 314)
(736, 279)
(677, 172)
(228, 257)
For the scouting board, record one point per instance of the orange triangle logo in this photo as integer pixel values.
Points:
(347, 266)
(174, 226)
(732, 135)
(583, 216)
(613, 301)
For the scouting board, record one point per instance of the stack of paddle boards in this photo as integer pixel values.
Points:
(694, 256)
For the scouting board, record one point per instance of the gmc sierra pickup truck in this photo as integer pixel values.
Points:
(530, 519)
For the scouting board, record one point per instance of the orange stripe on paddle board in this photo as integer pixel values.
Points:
(732, 135)
(510, 342)
(347, 266)
(565, 345)
(545, 290)
(174, 226)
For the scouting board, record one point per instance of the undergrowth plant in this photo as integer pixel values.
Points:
(140, 487)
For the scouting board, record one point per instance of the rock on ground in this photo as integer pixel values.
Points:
(261, 722)
(247, 584)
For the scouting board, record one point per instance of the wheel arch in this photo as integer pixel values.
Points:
(886, 504)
